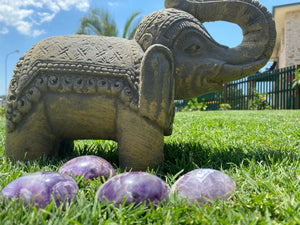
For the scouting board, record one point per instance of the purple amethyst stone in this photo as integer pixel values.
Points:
(89, 166)
(201, 184)
(136, 187)
(39, 188)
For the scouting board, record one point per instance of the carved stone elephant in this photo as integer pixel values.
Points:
(89, 87)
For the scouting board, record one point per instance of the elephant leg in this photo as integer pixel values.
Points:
(32, 138)
(140, 142)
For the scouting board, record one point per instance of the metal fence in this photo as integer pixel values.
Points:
(275, 85)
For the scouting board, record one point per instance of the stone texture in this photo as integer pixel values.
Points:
(39, 188)
(89, 166)
(90, 87)
(204, 185)
(135, 187)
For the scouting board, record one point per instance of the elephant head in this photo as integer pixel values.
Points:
(201, 64)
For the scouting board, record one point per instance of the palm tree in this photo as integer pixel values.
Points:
(100, 22)
(130, 28)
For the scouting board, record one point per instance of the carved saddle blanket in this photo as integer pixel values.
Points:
(82, 64)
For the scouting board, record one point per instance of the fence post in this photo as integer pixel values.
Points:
(225, 93)
(297, 88)
(278, 84)
(297, 103)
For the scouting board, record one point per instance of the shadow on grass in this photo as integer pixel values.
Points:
(105, 149)
(189, 156)
(180, 156)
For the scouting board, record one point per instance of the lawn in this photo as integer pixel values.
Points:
(259, 150)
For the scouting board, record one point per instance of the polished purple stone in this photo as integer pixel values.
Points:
(89, 166)
(136, 187)
(39, 188)
(200, 184)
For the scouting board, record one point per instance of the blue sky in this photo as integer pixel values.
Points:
(25, 22)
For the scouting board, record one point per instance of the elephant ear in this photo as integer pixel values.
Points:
(156, 94)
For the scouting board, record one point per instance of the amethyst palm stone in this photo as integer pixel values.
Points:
(135, 187)
(89, 166)
(39, 188)
(204, 186)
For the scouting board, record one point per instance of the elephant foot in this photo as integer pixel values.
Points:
(140, 142)
(32, 139)
(28, 145)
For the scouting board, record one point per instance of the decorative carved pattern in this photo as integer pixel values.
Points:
(164, 25)
(73, 64)
(118, 85)
(79, 53)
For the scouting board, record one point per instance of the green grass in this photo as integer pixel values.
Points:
(259, 150)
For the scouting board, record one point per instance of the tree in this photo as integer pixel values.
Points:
(130, 28)
(296, 81)
(100, 22)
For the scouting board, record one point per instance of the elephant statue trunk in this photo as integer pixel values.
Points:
(93, 87)
(258, 28)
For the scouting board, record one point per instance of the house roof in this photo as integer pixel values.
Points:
(279, 14)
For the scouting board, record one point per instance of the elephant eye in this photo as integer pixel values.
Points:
(193, 48)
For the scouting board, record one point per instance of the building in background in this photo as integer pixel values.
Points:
(287, 48)
(2, 101)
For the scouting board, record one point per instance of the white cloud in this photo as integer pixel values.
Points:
(26, 15)
(45, 16)
(113, 4)
(66, 4)
(4, 30)
(37, 33)
(23, 27)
